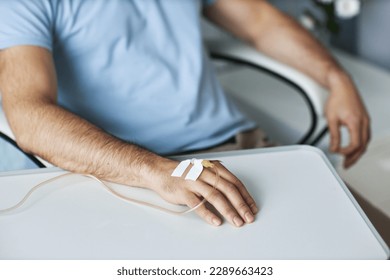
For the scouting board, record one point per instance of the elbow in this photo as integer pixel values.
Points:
(24, 121)
(14, 132)
(23, 132)
(23, 140)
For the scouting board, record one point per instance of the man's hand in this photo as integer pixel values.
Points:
(230, 197)
(345, 108)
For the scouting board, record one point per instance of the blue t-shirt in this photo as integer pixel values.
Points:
(135, 68)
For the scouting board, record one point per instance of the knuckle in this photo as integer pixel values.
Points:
(346, 151)
(249, 201)
(242, 206)
(229, 213)
(236, 181)
(230, 187)
(252, 204)
(354, 120)
(205, 213)
(350, 150)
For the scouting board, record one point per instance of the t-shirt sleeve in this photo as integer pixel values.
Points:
(25, 22)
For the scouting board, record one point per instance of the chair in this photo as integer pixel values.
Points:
(258, 83)
(268, 71)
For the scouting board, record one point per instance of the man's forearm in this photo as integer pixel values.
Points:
(74, 144)
(28, 84)
(277, 35)
(287, 41)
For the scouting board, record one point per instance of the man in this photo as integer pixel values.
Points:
(87, 84)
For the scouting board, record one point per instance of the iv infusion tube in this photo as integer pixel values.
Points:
(205, 163)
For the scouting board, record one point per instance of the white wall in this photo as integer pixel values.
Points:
(373, 42)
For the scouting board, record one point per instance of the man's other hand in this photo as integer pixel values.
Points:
(345, 108)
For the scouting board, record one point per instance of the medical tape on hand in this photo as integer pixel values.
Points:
(181, 168)
(194, 172)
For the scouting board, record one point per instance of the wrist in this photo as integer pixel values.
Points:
(338, 79)
(151, 171)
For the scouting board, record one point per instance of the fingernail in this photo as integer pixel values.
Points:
(237, 221)
(249, 217)
(216, 222)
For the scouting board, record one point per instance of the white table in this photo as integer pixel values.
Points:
(306, 213)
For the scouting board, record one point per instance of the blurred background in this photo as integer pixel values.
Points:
(364, 34)
(361, 31)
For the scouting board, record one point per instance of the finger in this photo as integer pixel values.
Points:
(355, 133)
(351, 159)
(369, 130)
(232, 194)
(365, 133)
(192, 201)
(225, 173)
(219, 201)
(334, 131)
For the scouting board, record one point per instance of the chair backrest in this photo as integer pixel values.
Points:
(277, 83)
